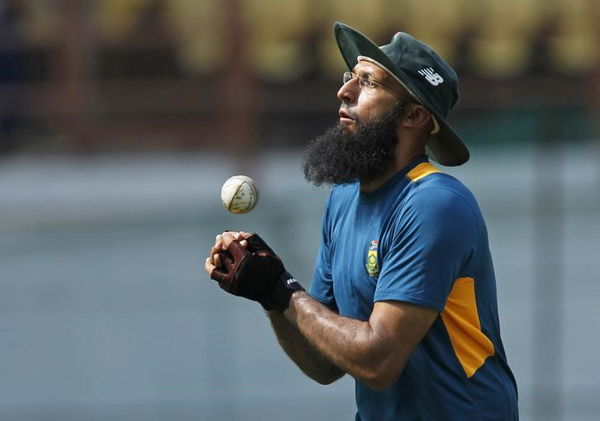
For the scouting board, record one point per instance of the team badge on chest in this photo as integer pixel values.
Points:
(371, 265)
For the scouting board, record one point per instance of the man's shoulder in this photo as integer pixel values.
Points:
(439, 188)
(438, 199)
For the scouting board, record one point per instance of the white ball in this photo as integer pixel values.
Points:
(239, 194)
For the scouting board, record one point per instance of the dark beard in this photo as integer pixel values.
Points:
(338, 157)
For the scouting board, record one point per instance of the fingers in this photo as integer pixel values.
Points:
(237, 251)
(225, 239)
(215, 248)
(208, 265)
(243, 236)
(215, 273)
(222, 242)
(229, 237)
(217, 260)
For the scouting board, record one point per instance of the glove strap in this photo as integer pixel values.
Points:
(282, 293)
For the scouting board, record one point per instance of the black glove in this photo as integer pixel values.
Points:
(257, 273)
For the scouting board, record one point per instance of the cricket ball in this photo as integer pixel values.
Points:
(239, 194)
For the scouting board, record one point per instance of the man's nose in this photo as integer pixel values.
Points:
(348, 92)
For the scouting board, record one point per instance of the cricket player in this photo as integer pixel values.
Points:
(403, 296)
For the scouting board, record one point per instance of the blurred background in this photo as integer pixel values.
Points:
(120, 120)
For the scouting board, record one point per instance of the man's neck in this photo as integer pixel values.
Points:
(399, 164)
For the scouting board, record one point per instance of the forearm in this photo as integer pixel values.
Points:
(351, 344)
(306, 357)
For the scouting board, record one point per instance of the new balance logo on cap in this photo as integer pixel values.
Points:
(432, 77)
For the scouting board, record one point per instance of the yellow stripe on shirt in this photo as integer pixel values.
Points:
(461, 319)
(421, 171)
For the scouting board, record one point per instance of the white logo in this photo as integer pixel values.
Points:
(432, 77)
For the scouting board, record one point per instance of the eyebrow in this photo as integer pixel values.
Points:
(385, 77)
(362, 72)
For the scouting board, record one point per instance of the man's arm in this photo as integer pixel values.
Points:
(374, 351)
(306, 357)
(295, 345)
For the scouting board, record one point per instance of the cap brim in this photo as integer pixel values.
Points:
(445, 147)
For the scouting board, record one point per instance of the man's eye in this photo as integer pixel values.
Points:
(367, 82)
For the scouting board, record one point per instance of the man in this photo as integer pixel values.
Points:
(403, 296)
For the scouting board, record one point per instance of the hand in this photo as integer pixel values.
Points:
(244, 265)
(222, 242)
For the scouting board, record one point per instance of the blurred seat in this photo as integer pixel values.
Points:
(369, 17)
(40, 23)
(199, 32)
(573, 44)
(506, 29)
(116, 18)
(133, 40)
(276, 34)
(435, 22)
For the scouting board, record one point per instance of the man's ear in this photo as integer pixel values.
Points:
(417, 116)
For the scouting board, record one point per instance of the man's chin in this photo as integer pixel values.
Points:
(349, 127)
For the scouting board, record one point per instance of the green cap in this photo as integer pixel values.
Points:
(424, 74)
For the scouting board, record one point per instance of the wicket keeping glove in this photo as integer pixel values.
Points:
(257, 273)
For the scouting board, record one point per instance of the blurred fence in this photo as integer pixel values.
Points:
(240, 75)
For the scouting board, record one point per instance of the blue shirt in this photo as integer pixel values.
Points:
(421, 239)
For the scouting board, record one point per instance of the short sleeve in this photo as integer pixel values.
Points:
(426, 247)
(321, 288)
